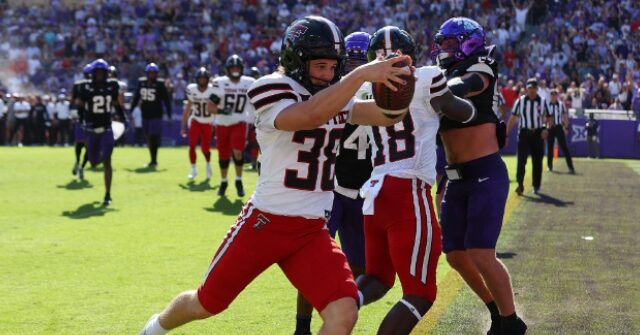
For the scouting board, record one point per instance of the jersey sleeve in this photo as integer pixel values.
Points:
(189, 92)
(438, 84)
(269, 97)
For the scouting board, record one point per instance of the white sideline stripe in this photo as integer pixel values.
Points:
(427, 252)
(416, 243)
(242, 221)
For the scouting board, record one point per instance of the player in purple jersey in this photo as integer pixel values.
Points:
(474, 201)
(353, 168)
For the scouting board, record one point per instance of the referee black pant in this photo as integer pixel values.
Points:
(557, 132)
(530, 143)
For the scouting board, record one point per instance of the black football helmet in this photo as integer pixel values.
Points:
(113, 72)
(202, 72)
(389, 39)
(309, 38)
(256, 73)
(233, 61)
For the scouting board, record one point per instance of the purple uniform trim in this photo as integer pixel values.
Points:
(347, 220)
(152, 126)
(99, 146)
(473, 207)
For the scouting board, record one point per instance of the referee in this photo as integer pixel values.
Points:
(558, 130)
(532, 114)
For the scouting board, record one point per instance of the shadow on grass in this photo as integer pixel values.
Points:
(225, 206)
(199, 187)
(88, 210)
(145, 169)
(76, 184)
(506, 255)
(547, 199)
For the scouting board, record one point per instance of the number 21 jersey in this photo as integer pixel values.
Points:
(297, 167)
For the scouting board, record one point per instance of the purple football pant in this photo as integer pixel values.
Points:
(152, 126)
(473, 207)
(347, 220)
(79, 132)
(99, 146)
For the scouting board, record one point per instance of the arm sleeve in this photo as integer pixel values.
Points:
(268, 100)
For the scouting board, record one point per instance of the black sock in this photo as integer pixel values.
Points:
(493, 309)
(85, 159)
(303, 324)
(107, 195)
(78, 151)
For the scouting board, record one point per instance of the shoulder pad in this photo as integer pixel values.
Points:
(142, 79)
(160, 80)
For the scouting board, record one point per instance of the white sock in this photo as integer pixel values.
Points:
(209, 165)
(224, 180)
(153, 327)
(193, 166)
(238, 178)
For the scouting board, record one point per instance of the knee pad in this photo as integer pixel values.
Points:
(224, 164)
(237, 162)
(412, 309)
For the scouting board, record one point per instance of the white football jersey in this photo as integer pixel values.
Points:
(408, 148)
(199, 100)
(234, 106)
(297, 167)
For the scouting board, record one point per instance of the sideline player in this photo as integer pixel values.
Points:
(198, 115)
(352, 169)
(97, 97)
(77, 114)
(153, 93)
(473, 206)
(300, 114)
(231, 127)
(401, 229)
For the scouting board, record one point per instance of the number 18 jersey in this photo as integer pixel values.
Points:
(297, 167)
(199, 100)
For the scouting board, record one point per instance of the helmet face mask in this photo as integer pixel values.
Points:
(234, 66)
(469, 36)
(311, 38)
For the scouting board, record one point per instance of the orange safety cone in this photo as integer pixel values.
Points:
(555, 151)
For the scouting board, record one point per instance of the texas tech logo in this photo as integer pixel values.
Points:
(261, 220)
(298, 30)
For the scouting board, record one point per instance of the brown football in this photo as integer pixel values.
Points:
(394, 102)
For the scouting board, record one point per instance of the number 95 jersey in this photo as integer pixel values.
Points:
(199, 102)
(297, 167)
(233, 107)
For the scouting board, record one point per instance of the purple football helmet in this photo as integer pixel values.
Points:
(356, 45)
(469, 36)
(99, 64)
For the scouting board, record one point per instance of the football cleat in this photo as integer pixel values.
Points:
(81, 173)
(107, 200)
(152, 165)
(240, 188)
(75, 169)
(223, 188)
(519, 190)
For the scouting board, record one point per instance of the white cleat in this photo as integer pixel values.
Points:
(209, 172)
(148, 325)
(192, 175)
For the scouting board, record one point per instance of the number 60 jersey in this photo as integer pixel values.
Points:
(297, 167)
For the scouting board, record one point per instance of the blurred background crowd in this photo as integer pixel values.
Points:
(588, 50)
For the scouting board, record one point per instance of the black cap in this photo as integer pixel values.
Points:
(532, 82)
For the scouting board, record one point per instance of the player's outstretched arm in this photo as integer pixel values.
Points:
(366, 112)
(453, 107)
(185, 117)
(324, 105)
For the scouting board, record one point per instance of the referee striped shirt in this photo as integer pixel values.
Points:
(557, 111)
(531, 113)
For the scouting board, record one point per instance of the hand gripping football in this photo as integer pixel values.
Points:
(394, 103)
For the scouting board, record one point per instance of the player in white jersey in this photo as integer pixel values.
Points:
(402, 235)
(300, 113)
(199, 114)
(231, 126)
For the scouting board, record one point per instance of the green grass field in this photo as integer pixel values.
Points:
(68, 266)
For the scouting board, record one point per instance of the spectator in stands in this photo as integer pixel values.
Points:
(626, 95)
(602, 95)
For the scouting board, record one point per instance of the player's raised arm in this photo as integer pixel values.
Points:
(453, 107)
(326, 103)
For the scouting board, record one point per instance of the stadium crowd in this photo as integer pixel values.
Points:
(567, 44)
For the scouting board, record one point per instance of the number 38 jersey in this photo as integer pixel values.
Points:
(408, 148)
(98, 101)
(199, 100)
(234, 106)
(297, 167)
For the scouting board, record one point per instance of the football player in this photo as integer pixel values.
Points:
(230, 93)
(473, 206)
(97, 97)
(300, 112)
(199, 116)
(353, 167)
(77, 115)
(153, 93)
(402, 235)
(252, 151)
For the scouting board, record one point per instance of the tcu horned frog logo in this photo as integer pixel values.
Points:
(298, 30)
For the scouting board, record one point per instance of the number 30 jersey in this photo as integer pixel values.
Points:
(199, 102)
(408, 148)
(297, 167)
(234, 106)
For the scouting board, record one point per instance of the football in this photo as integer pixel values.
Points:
(394, 103)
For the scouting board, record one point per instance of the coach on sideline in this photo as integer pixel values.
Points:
(532, 114)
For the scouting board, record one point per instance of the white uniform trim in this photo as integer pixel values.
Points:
(411, 308)
(427, 252)
(387, 40)
(418, 236)
(481, 67)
